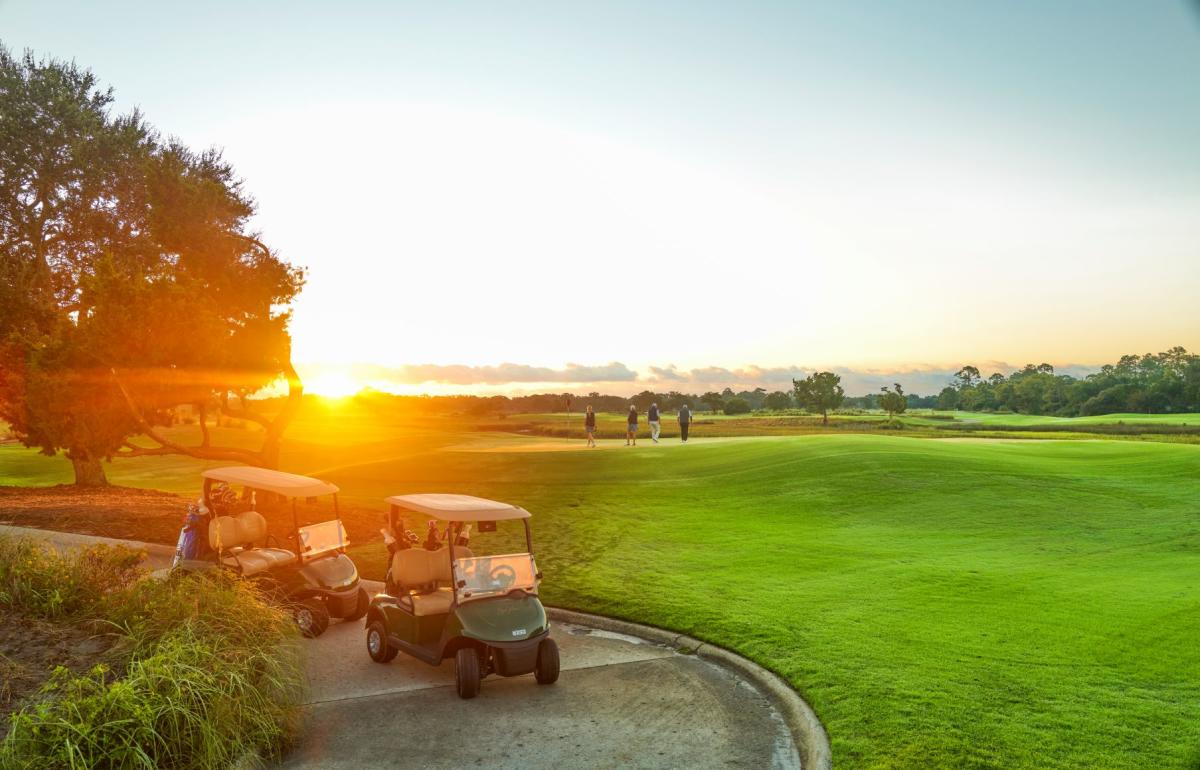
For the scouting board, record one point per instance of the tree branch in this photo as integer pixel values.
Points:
(167, 446)
(243, 413)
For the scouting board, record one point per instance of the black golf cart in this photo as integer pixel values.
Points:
(313, 576)
(441, 600)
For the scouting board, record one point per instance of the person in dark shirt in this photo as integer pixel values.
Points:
(685, 421)
(589, 424)
(655, 425)
(631, 428)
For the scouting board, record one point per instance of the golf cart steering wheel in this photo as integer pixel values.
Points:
(504, 575)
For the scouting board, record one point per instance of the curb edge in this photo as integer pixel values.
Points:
(807, 731)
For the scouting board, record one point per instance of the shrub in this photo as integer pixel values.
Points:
(737, 406)
(204, 670)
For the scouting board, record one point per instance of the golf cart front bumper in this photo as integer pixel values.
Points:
(516, 658)
(341, 604)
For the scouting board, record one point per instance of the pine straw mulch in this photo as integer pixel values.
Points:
(30, 649)
(141, 514)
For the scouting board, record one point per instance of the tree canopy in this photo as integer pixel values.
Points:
(1162, 382)
(893, 401)
(130, 281)
(819, 392)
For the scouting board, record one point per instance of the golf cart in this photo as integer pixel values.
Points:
(442, 601)
(313, 576)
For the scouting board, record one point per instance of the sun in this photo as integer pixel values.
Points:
(333, 385)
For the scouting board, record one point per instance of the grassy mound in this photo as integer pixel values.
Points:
(202, 672)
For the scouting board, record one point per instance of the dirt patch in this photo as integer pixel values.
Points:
(144, 514)
(121, 512)
(30, 649)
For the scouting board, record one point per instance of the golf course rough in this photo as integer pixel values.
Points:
(941, 604)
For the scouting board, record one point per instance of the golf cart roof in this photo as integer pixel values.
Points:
(458, 507)
(286, 484)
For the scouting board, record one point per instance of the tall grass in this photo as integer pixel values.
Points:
(42, 582)
(204, 672)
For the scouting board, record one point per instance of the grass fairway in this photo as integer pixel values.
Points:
(942, 604)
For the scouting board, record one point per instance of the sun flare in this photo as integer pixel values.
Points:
(333, 385)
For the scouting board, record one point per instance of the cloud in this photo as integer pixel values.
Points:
(669, 373)
(723, 376)
(461, 374)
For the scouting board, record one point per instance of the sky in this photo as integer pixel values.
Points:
(519, 197)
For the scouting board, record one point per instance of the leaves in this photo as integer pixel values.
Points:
(120, 250)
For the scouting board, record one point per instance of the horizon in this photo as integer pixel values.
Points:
(345, 380)
(640, 198)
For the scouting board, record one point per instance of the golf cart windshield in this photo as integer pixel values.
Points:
(494, 575)
(320, 538)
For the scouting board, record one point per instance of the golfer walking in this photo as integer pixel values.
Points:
(631, 428)
(589, 424)
(685, 420)
(655, 425)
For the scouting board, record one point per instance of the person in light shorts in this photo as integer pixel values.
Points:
(631, 427)
(589, 424)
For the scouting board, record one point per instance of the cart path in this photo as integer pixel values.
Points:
(619, 701)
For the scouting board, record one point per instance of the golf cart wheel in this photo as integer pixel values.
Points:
(377, 643)
(547, 662)
(311, 617)
(466, 672)
(360, 605)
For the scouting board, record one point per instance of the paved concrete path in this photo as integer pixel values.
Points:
(619, 702)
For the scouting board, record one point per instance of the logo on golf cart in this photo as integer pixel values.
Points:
(519, 632)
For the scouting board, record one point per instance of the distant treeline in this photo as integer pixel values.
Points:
(726, 401)
(1163, 383)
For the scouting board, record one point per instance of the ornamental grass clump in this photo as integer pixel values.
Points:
(203, 673)
(40, 581)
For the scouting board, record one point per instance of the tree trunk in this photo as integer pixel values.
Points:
(88, 472)
(824, 418)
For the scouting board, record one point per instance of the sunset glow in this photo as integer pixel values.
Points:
(791, 188)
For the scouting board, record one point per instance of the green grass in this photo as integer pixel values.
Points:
(1130, 418)
(1178, 428)
(942, 604)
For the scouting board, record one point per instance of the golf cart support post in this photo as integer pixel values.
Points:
(459, 509)
(289, 485)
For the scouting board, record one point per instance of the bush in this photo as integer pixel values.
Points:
(204, 670)
(737, 406)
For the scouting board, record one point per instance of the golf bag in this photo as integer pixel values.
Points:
(189, 544)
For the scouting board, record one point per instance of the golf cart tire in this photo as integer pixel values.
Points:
(547, 662)
(382, 651)
(361, 605)
(466, 673)
(317, 617)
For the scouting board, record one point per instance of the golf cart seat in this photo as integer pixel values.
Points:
(233, 537)
(418, 572)
(436, 602)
